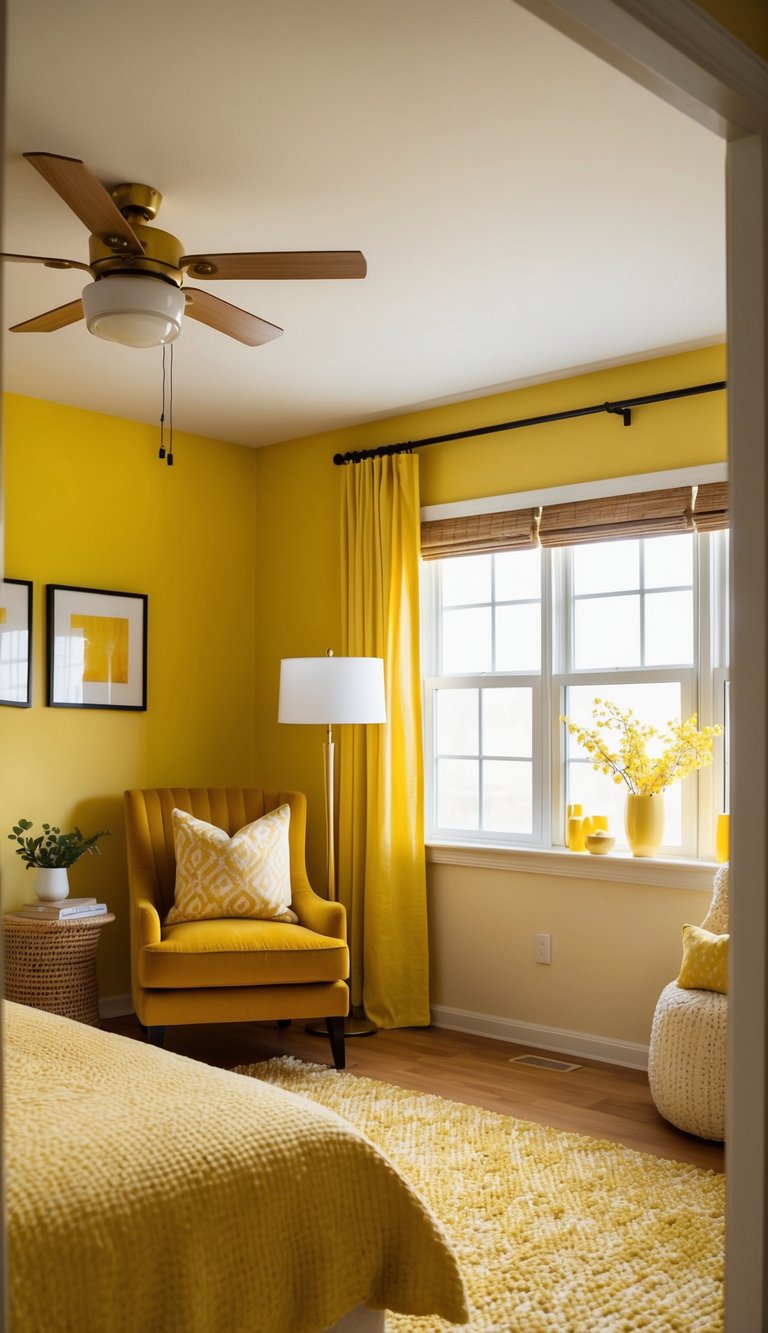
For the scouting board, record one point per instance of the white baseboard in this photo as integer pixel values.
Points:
(562, 1040)
(115, 1006)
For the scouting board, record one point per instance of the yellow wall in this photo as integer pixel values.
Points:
(88, 503)
(746, 19)
(482, 922)
(228, 530)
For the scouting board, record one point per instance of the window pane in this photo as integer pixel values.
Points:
(507, 796)
(457, 793)
(598, 795)
(508, 722)
(725, 538)
(668, 561)
(467, 640)
(456, 722)
(466, 579)
(518, 574)
(518, 637)
(606, 567)
(654, 705)
(668, 628)
(606, 632)
(726, 746)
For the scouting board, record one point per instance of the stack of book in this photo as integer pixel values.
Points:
(66, 909)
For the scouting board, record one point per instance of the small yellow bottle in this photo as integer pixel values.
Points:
(575, 831)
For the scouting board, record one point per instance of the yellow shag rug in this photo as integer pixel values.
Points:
(555, 1232)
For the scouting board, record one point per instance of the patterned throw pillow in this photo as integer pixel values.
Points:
(247, 875)
(705, 960)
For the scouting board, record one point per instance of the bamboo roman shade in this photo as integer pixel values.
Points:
(710, 512)
(608, 518)
(647, 514)
(513, 530)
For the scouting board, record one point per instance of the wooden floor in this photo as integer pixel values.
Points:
(603, 1101)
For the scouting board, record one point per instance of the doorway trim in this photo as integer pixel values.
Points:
(674, 49)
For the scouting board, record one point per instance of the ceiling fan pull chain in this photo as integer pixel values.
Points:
(161, 451)
(169, 459)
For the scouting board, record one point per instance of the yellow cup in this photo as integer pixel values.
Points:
(722, 838)
(599, 823)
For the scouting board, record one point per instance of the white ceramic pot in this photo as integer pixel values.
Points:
(51, 884)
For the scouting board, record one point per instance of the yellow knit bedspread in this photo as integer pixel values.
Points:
(147, 1192)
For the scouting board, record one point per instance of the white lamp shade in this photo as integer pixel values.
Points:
(332, 690)
(133, 310)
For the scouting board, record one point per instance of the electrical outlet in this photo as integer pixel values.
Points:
(543, 948)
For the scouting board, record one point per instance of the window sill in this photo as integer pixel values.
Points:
(621, 868)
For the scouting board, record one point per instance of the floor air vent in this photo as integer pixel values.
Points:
(544, 1062)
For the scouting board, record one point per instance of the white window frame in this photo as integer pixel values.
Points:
(702, 685)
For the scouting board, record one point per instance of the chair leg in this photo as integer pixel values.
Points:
(335, 1028)
(283, 1022)
(155, 1036)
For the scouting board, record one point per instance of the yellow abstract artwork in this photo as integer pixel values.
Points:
(106, 648)
(3, 615)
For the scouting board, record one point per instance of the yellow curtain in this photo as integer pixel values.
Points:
(381, 863)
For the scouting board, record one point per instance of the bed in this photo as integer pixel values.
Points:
(148, 1191)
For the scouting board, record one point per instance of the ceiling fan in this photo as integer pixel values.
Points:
(137, 296)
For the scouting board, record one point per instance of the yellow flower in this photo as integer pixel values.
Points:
(684, 748)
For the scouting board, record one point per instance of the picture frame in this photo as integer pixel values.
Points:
(96, 648)
(16, 643)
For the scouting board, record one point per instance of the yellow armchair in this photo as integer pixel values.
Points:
(231, 970)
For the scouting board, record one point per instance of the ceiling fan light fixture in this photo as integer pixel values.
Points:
(135, 311)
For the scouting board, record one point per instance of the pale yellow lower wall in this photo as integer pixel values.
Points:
(614, 946)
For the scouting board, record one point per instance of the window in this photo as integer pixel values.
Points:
(515, 638)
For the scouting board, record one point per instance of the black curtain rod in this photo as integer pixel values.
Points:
(622, 407)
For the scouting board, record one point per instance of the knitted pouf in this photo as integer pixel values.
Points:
(686, 1059)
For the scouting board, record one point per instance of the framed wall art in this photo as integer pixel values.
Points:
(16, 643)
(96, 648)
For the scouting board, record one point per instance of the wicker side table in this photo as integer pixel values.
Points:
(52, 964)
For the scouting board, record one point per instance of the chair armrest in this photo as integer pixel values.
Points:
(316, 913)
(149, 930)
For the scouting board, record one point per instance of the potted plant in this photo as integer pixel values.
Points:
(51, 853)
(646, 761)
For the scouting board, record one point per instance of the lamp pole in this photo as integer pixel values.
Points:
(330, 852)
(326, 690)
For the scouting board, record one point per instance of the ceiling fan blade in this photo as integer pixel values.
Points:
(52, 319)
(279, 264)
(80, 190)
(229, 319)
(49, 263)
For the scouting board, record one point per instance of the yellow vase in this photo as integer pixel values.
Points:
(644, 822)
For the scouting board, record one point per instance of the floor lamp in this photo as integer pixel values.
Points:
(328, 690)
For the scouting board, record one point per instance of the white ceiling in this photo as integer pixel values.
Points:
(523, 208)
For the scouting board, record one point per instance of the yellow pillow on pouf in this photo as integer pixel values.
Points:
(246, 875)
(705, 960)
